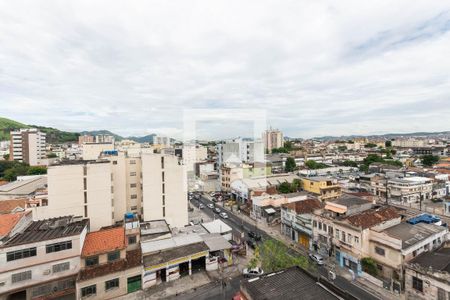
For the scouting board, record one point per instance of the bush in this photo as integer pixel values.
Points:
(369, 266)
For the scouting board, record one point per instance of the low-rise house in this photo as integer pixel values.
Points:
(24, 186)
(43, 260)
(267, 207)
(410, 189)
(108, 268)
(323, 187)
(296, 220)
(392, 247)
(428, 275)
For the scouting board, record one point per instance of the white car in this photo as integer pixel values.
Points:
(224, 215)
(210, 205)
(252, 272)
(316, 258)
(201, 206)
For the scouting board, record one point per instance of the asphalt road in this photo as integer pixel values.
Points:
(237, 224)
(214, 290)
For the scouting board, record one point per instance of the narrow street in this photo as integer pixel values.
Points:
(238, 225)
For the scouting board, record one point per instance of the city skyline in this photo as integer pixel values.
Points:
(133, 71)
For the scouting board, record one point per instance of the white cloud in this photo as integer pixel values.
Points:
(316, 67)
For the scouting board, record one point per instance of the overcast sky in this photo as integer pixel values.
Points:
(316, 67)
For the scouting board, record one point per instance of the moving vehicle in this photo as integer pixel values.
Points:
(252, 272)
(224, 215)
(316, 258)
(251, 243)
(254, 235)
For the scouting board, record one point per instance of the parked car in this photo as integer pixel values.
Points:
(210, 205)
(217, 210)
(251, 243)
(247, 272)
(212, 194)
(316, 258)
(254, 235)
(224, 215)
(201, 206)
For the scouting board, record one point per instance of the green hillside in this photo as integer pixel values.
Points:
(53, 135)
(6, 125)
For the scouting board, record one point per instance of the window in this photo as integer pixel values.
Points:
(85, 197)
(132, 173)
(21, 276)
(89, 290)
(320, 225)
(379, 251)
(417, 284)
(350, 239)
(134, 196)
(338, 232)
(164, 199)
(85, 183)
(58, 246)
(162, 174)
(91, 261)
(133, 185)
(356, 240)
(132, 162)
(133, 207)
(324, 227)
(115, 162)
(19, 254)
(110, 284)
(112, 256)
(343, 236)
(164, 212)
(162, 162)
(163, 189)
(132, 240)
(330, 230)
(315, 224)
(61, 267)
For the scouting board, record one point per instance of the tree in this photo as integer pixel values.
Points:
(370, 145)
(37, 170)
(290, 164)
(274, 256)
(313, 165)
(52, 155)
(429, 160)
(369, 266)
(6, 156)
(342, 148)
(284, 188)
(350, 163)
(388, 144)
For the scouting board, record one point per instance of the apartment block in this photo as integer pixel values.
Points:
(325, 188)
(273, 138)
(164, 190)
(28, 145)
(81, 188)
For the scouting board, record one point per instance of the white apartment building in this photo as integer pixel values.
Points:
(273, 138)
(43, 259)
(80, 188)
(162, 141)
(239, 150)
(192, 154)
(28, 145)
(164, 190)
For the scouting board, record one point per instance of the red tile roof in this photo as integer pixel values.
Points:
(104, 240)
(373, 217)
(7, 206)
(304, 206)
(8, 221)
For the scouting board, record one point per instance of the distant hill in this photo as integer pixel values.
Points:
(53, 135)
(143, 139)
(102, 132)
(7, 125)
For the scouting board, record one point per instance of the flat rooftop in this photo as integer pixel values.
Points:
(413, 234)
(350, 201)
(438, 260)
(292, 283)
(174, 253)
(48, 229)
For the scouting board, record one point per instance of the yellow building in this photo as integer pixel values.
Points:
(325, 188)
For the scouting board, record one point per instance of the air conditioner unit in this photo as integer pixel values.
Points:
(2, 283)
(47, 272)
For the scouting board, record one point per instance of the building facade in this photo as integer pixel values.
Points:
(28, 145)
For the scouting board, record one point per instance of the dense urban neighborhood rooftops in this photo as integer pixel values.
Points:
(304, 206)
(8, 221)
(8, 206)
(174, 253)
(373, 217)
(48, 229)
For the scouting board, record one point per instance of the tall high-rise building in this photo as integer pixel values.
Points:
(28, 145)
(273, 138)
